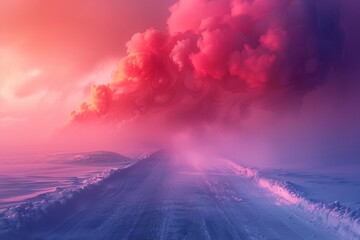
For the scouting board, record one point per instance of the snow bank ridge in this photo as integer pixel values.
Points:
(342, 219)
(37, 208)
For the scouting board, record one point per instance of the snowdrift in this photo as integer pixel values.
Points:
(342, 219)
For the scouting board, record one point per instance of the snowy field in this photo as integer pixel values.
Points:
(106, 196)
(22, 178)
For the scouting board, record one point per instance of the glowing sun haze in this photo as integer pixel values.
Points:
(52, 51)
(248, 77)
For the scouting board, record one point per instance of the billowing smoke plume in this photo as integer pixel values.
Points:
(218, 58)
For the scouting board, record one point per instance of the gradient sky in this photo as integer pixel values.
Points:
(268, 81)
(51, 51)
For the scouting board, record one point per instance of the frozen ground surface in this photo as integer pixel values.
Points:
(25, 177)
(169, 197)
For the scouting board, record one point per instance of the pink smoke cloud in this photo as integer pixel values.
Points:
(220, 56)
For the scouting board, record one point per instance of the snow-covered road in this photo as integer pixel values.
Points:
(168, 198)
